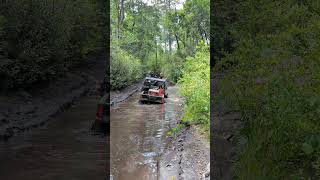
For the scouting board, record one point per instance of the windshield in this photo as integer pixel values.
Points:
(153, 83)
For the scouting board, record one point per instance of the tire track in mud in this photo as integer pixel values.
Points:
(138, 136)
(187, 157)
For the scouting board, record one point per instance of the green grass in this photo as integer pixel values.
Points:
(272, 77)
(278, 98)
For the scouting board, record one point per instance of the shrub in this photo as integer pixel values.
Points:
(43, 39)
(195, 87)
(272, 79)
(124, 69)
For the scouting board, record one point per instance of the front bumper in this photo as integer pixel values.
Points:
(158, 99)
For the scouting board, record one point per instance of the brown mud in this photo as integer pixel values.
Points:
(118, 96)
(52, 145)
(187, 157)
(64, 148)
(138, 136)
(24, 110)
(140, 146)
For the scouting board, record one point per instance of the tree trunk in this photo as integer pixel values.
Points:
(118, 24)
(156, 57)
(122, 11)
(177, 39)
(169, 31)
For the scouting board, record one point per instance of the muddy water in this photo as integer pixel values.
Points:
(64, 149)
(138, 136)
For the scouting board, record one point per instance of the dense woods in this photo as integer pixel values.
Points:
(43, 39)
(268, 52)
(165, 36)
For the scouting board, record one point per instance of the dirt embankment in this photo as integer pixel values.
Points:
(187, 155)
(123, 94)
(23, 110)
(226, 138)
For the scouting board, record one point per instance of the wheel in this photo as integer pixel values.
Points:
(166, 96)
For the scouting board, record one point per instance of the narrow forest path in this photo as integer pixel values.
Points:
(138, 135)
(140, 147)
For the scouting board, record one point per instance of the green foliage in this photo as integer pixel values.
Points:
(224, 14)
(161, 38)
(186, 27)
(135, 49)
(172, 67)
(43, 39)
(272, 78)
(195, 86)
(136, 33)
(175, 131)
(311, 144)
(159, 34)
(124, 69)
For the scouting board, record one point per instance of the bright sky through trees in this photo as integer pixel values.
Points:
(178, 3)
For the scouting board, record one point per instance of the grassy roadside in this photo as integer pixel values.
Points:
(280, 116)
(195, 87)
(273, 80)
(271, 77)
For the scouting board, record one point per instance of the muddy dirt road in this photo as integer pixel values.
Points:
(66, 148)
(138, 133)
(63, 149)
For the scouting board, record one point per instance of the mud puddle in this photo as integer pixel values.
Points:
(138, 133)
(63, 149)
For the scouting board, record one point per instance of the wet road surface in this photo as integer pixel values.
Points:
(137, 135)
(66, 148)
(63, 149)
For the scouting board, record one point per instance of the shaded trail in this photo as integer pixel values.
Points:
(64, 149)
